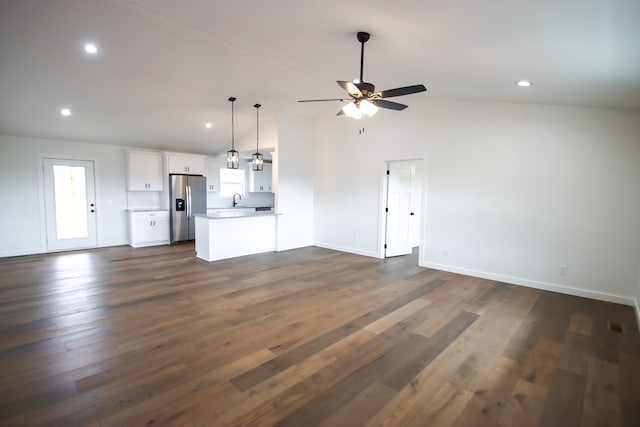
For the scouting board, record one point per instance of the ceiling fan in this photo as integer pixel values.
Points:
(364, 100)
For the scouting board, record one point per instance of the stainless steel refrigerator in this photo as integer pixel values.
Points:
(188, 196)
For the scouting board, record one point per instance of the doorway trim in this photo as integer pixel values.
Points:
(42, 196)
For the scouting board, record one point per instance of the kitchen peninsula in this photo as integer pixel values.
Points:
(231, 233)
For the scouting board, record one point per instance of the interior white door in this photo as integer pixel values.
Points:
(398, 210)
(70, 205)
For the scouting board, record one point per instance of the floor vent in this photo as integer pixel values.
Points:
(615, 327)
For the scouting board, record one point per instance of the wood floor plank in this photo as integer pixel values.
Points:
(154, 336)
(280, 363)
(524, 408)
(602, 406)
(564, 405)
(490, 398)
(400, 365)
(629, 380)
(362, 407)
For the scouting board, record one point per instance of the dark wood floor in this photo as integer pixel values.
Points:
(154, 336)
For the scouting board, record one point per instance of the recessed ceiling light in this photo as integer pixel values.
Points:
(65, 112)
(208, 125)
(523, 83)
(91, 48)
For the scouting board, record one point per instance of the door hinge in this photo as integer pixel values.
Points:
(386, 210)
(388, 172)
(385, 246)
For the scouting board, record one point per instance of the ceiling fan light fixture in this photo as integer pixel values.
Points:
(233, 156)
(362, 108)
(363, 96)
(352, 110)
(368, 108)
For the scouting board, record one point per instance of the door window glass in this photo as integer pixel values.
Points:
(70, 189)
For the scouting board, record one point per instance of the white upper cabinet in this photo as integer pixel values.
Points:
(260, 181)
(144, 171)
(185, 164)
(212, 172)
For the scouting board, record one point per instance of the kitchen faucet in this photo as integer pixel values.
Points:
(234, 199)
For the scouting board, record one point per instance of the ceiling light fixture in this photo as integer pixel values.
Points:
(208, 125)
(65, 112)
(91, 48)
(257, 160)
(356, 110)
(233, 157)
(523, 83)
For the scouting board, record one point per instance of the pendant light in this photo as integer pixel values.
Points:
(233, 156)
(257, 160)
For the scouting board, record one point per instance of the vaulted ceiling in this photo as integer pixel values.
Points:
(164, 68)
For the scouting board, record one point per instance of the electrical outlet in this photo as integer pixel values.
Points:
(562, 270)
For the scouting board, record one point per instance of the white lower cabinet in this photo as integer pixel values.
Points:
(148, 228)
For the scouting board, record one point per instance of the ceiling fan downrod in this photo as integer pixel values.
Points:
(362, 38)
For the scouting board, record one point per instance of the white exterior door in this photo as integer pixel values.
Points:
(70, 207)
(398, 210)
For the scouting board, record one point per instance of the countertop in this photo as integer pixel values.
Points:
(235, 214)
(241, 207)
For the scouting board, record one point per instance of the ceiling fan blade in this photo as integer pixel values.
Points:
(390, 105)
(351, 88)
(400, 91)
(322, 100)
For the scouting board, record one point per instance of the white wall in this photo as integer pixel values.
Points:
(293, 162)
(21, 221)
(512, 190)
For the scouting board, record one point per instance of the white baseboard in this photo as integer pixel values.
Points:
(602, 296)
(637, 307)
(39, 251)
(346, 249)
(24, 252)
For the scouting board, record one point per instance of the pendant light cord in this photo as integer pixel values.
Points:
(257, 126)
(233, 147)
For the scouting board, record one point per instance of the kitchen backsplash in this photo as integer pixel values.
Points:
(143, 199)
(250, 199)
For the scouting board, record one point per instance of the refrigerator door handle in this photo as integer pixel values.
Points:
(188, 201)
